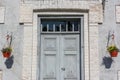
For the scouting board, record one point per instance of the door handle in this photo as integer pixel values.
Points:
(63, 69)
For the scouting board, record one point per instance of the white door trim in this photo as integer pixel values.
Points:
(36, 40)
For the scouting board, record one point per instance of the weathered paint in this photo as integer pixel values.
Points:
(109, 25)
(11, 24)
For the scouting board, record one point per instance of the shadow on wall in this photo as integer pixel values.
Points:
(107, 61)
(9, 62)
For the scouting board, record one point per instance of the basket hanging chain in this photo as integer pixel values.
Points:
(9, 39)
(113, 37)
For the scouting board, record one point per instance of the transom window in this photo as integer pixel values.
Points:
(60, 25)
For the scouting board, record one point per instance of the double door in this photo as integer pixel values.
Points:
(60, 57)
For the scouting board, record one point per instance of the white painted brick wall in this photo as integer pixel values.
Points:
(27, 52)
(86, 46)
(35, 44)
(25, 14)
(94, 54)
(95, 13)
(91, 19)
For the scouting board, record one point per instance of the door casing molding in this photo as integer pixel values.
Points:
(36, 44)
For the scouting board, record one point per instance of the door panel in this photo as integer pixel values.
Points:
(70, 57)
(60, 57)
(49, 66)
(70, 66)
(49, 51)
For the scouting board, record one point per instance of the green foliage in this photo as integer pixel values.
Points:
(7, 49)
(112, 48)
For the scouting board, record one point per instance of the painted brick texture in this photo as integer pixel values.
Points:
(90, 34)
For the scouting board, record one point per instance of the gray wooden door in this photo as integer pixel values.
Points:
(59, 58)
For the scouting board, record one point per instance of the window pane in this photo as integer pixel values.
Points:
(57, 28)
(76, 26)
(50, 27)
(63, 27)
(44, 28)
(69, 23)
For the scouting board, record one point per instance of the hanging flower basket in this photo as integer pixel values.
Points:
(6, 52)
(113, 50)
(114, 53)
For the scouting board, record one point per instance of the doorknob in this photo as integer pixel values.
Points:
(63, 69)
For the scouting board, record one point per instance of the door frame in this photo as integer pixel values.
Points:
(31, 46)
(81, 40)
